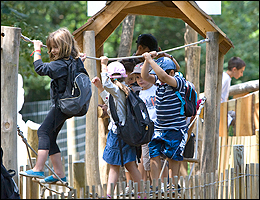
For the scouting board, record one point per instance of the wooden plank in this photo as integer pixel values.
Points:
(232, 104)
(244, 123)
(257, 146)
(227, 156)
(198, 19)
(247, 149)
(253, 149)
(139, 3)
(256, 109)
(223, 154)
(223, 123)
(155, 10)
(233, 142)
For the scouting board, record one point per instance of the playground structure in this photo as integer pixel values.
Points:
(90, 38)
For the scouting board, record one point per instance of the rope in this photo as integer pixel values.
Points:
(26, 39)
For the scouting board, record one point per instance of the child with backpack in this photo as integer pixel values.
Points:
(62, 48)
(111, 155)
(170, 132)
(147, 94)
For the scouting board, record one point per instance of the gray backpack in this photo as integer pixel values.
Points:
(75, 100)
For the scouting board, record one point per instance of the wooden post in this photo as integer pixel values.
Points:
(238, 152)
(10, 42)
(34, 185)
(32, 137)
(91, 148)
(79, 177)
(210, 91)
(102, 130)
(191, 70)
(71, 138)
(219, 89)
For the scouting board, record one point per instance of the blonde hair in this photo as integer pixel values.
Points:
(65, 42)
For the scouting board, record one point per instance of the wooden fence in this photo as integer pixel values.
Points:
(236, 184)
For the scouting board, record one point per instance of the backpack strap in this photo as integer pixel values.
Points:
(123, 87)
(182, 102)
(116, 120)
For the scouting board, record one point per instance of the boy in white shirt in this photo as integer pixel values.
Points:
(236, 67)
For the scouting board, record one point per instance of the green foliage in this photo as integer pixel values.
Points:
(37, 19)
(239, 21)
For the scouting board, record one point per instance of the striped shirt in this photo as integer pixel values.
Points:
(168, 105)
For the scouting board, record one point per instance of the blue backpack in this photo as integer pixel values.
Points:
(189, 102)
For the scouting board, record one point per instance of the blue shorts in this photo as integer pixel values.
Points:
(112, 151)
(170, 143)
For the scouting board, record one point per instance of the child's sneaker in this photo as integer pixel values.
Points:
(51, 179)
(33, 174)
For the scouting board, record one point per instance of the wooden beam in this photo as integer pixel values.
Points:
(102, 36)
(134, 4)
(203, 23)
(98, 22)
(195, 16)
(154, 10)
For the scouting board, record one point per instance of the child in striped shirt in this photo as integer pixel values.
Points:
(170, 133)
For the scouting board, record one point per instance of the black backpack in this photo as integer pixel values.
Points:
(138, 128)
(9, 189)
(75, 100)
(189, 102)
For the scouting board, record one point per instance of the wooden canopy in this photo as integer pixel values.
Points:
(107, 20)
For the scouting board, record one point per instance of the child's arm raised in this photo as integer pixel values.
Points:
(104, 61)
(162, 75)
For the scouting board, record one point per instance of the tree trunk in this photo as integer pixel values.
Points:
(127, 36)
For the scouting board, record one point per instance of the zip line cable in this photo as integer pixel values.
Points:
(26, 39)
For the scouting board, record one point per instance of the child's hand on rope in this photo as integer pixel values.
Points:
(149, 56)
(83, 56)
(37, 44)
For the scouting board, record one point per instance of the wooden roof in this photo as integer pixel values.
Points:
(104, 22)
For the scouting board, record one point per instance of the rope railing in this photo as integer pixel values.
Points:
(26, 39)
